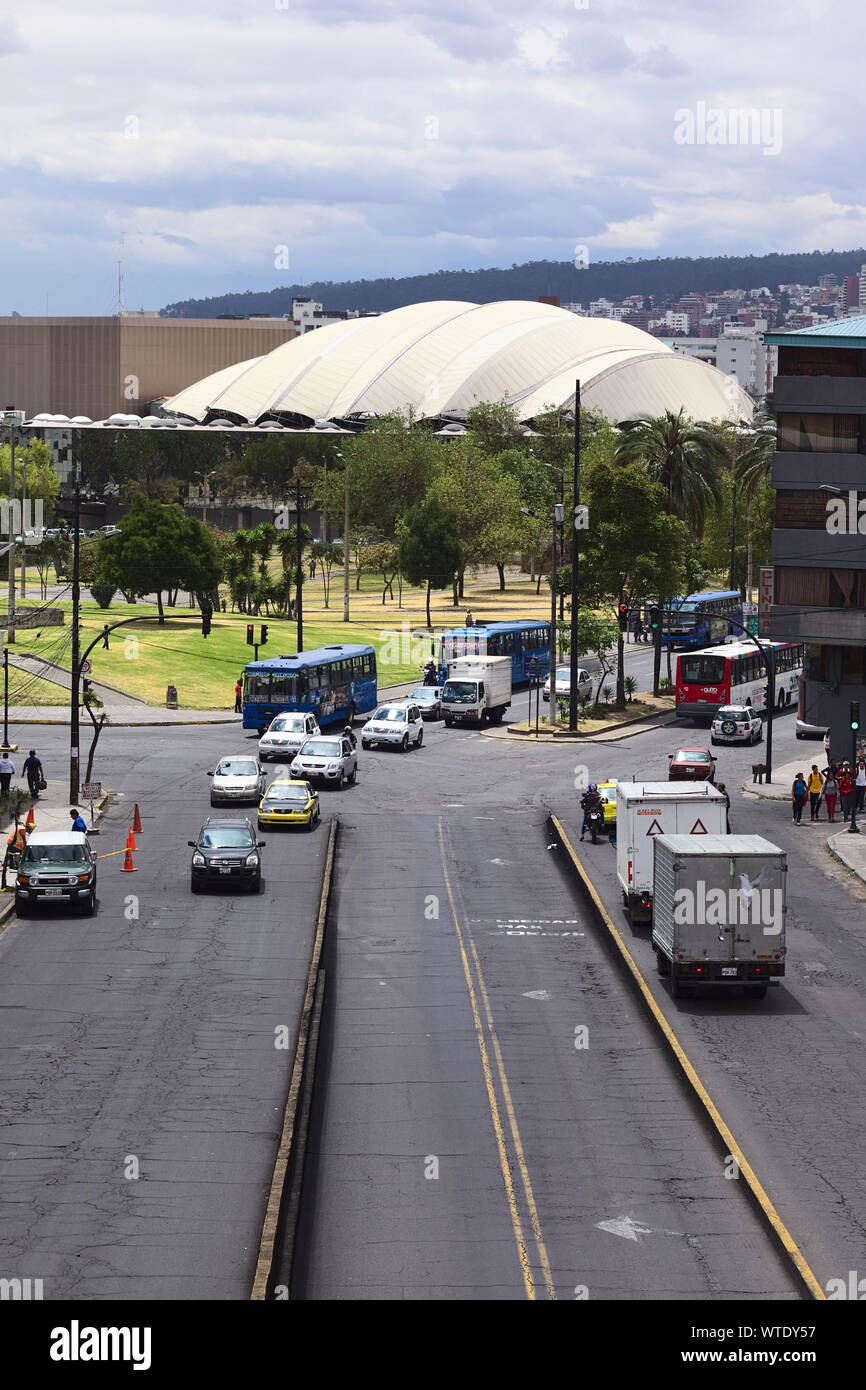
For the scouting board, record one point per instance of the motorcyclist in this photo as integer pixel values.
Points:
(431, 674)
(349, 733)
(590, 801)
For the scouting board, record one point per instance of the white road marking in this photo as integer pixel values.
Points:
(630, 1229)
(537, 994)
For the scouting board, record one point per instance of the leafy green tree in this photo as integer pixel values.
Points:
(159, 548)
(633, 549)
(43, 483)
(430, 546)
(597, 633)
(391, 465)
(382, 558)
(485, 501)
(688, 460)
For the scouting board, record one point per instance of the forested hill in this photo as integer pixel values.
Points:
(608, 279)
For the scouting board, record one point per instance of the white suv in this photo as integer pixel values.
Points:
(326, 758)
(286, 734)
(399, 725)
(737, 724)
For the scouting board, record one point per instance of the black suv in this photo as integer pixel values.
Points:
(226, 851)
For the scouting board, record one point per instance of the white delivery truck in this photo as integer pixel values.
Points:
(719, 911)
(647, 809)
(477, 688)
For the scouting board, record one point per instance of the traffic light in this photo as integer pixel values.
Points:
(655, 615)
(855, 715)
(622, 615)
(251, 637)
(264, 637)
(205, 622)
(86, 692)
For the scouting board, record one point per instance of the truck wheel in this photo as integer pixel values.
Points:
(662, 963)
(448, 720)
(678, 989)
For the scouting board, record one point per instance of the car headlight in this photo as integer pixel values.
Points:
(332, 767)
(198, 860)
(252, 859)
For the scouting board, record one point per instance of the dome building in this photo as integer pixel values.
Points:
(441, 358)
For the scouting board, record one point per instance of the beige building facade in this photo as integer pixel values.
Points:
(100, 366)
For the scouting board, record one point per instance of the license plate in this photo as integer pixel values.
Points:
(54, 892)
(225, 871)
(730, 970)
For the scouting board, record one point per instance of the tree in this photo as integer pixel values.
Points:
(633, 550)
(430, 547)
(43, 484)
(485, 502)
(385, 558)
(390, 468)
(596, 632)
(159, 548)
(688, 461)
(328, 556)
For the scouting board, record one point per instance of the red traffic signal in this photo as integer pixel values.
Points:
(250, 634)
(622, 615)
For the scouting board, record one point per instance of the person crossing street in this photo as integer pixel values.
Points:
(33, 772)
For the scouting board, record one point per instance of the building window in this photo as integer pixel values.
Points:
(801, 585)
(817, 433)
(853, 664)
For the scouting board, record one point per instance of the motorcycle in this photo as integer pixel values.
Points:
(596, 823)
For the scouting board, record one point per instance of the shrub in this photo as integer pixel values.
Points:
(103, 592)
(665, 683)
(630, 687)
(607, 694)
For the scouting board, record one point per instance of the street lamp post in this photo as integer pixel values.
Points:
(23, 525)
(76, 605)
(12, 419)
(733, 534)
(575, 568)
(300, 563)
(345, 540)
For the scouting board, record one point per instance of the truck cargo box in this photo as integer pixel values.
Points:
(647, 809)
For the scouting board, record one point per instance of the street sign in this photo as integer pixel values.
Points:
(91, 791)
(86, 668)
(752, 625)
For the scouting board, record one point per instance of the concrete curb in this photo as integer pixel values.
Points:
(285, 1190)
(641, 725)
(845, 847)
(695, 1089)
(137, 723)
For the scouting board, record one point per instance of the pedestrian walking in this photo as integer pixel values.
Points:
(78, 821)
(32, 770)
(831, 791)
(470, 620)
(238, 694)
(638, 629)
(312, 568)
(798, 796)
(723, 789)
(815, 783)
(860, 785)
(827, 745)
(846, 789)
(7, 772)
(105, 637)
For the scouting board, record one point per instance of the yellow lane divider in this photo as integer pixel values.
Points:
(517, 1226)
(775, 1221)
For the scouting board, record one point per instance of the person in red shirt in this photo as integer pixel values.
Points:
(238, 692)
(845, 779)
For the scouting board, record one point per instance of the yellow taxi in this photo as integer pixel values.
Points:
(287, 802)
(607, 792)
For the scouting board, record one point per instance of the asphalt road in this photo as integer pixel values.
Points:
(467, 1142)
(146, 1044)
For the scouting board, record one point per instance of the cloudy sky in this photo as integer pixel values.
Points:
(243, 145)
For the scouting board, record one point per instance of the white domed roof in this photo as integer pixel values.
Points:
(443, 357)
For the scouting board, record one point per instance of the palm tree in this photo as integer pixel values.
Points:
(687, 459)
(245, 545)
(265, 536)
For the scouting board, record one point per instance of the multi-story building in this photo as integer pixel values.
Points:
(742, 352)
(819, 553)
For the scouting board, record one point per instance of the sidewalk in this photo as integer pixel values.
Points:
(850, 849)
(120, 716)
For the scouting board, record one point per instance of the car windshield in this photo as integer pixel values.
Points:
(563, 673)
(288, 724)
(458, 691)
(54, 854)
(236, 767)
(226, 837)
(425, 694)
(321, 748)
(691, 755)
(294, 794)
(390, 713)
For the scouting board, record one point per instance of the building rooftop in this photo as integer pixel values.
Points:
(850, 332)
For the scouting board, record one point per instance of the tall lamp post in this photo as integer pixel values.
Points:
(300, 563)
(345, 538)
(76, 606)
(558, 518)
(575, 568)
(13, 419)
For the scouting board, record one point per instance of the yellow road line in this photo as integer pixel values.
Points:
(270, 1225)
(778, 1226)
(526, 1269)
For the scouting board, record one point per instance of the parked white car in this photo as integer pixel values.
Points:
(737, 724)
(286, 734)
(326, 758)
(563, 683)
(237, 779)
(398, 725)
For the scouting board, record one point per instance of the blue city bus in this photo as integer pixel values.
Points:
(522, 640)
(701, 620)
(333, 683)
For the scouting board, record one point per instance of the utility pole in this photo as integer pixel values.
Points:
(575, 567)
(346, 544)
(23, 525)
(300, 563)
(76, 608)
(12, 420)
(558, 517)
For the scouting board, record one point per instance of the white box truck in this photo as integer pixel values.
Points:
(477, 688)
(719, 911)
(647, 809)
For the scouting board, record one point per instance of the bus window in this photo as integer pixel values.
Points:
(257, 689)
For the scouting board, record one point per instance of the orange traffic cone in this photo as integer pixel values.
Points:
(31, 819)
(136, 821)
(130, 840)
(128, 866)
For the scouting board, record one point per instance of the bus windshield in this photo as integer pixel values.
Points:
(702, 670)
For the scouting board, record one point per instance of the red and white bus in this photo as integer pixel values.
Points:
(735, 675)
